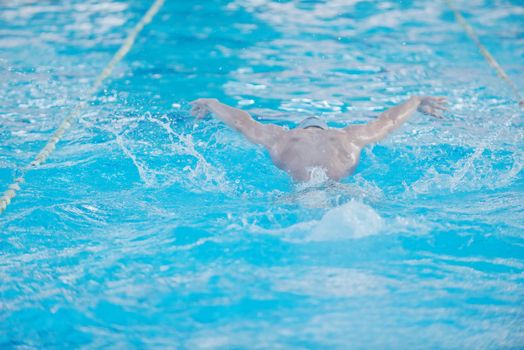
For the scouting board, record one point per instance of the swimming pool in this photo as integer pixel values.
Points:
(146, 230)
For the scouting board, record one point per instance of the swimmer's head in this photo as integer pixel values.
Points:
(313, 122)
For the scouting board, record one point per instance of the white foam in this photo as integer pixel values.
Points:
(317, 177)
(312, 194)
(351, 220)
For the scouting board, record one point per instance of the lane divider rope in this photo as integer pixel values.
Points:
(487, 55)
(468, 163)
(66, 123)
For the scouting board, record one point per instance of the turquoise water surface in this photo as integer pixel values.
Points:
(145, 229)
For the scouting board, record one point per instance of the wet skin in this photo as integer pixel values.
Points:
(298, 151)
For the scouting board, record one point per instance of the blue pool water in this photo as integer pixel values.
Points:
(144, 230)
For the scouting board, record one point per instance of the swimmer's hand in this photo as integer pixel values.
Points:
(433, 106)
(202, 107)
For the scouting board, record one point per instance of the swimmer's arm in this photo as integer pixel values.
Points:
(393, 118)
(262, 134)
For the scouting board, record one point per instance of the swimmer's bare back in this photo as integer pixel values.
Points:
(298, 151)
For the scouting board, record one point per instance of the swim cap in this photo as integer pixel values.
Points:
(313, 122)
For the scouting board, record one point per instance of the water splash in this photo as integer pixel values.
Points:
(352, 220)
(317, 177)
(183, 144)
(163, 156)
(472, 173)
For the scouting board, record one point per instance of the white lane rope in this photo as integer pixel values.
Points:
(66, 123)
(468, 163)
(487, 55)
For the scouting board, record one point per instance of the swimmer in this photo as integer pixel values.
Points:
(312, 144)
